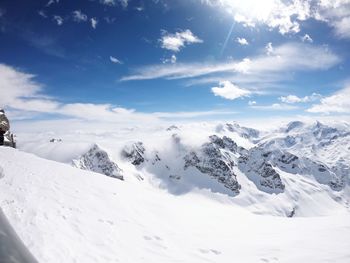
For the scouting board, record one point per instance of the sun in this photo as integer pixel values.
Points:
(251, 10)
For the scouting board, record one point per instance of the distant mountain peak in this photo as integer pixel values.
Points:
(98, 160)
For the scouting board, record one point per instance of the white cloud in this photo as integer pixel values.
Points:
(24, 98)
(58, 19)
(339, 102)
(342, 27)
(108, 2)
(306, 38)
(123, 3)
(242, 41)
(40, 12)
(295, 99)
(186, 70)
(287, 16)
(252, 102)
(78, 16)
(275, 107)
(229, 91)
(139, 8)
(94, 22)
(296, 56)
(52, 2)
(285, 58)
(247, 22)
(269, 48)
(283, 15)
(115, 60)
(171, 60)
(19, 90)
(175, 42)
(109, 20)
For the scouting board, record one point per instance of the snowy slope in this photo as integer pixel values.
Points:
(64, 214)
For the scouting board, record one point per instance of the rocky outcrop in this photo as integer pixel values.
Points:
(134, 153)
(257, 167)
(97, 160)
(216, 159)
(293, 164)
(172, 128)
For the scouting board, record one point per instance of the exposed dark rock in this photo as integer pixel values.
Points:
(134, 153)
(97, 160)
(172, 128)
(258, 169)
(214, 160)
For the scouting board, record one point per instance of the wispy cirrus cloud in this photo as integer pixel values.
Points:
(46, 44)
(287, 57)
(20, 91)
(50, 2)
(123, 3)
(338, 102)
(175, 42)
(41, 13)
(108, 2)
(274, 107)
(24, 98)
(115, 60)
(291, 99)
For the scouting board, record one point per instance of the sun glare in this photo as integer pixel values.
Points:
(251, 9)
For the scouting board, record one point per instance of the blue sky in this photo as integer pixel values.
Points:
(151, 60)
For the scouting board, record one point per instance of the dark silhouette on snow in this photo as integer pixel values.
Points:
(4, 126)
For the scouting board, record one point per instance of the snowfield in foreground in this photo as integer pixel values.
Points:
(196, 192)
(64, 214)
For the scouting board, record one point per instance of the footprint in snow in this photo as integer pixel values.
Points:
(207, 251)
(2, 174)
(274, 259)
(157, 240)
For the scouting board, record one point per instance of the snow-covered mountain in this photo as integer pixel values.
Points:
(234, 172)
(222, 158)
(65, 214)
(97, 160)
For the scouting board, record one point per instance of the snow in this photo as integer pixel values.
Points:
(165, 211)
(64, 214)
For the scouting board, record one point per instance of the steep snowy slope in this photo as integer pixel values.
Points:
(64, 214)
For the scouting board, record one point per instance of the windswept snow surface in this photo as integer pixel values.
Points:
(64, 214)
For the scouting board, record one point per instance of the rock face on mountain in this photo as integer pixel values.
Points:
(216, 159)
(97, 160)
(256, 165)
(134, 153)
(172, 128)
(295, 149)
(293, 164)
(318, 150)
